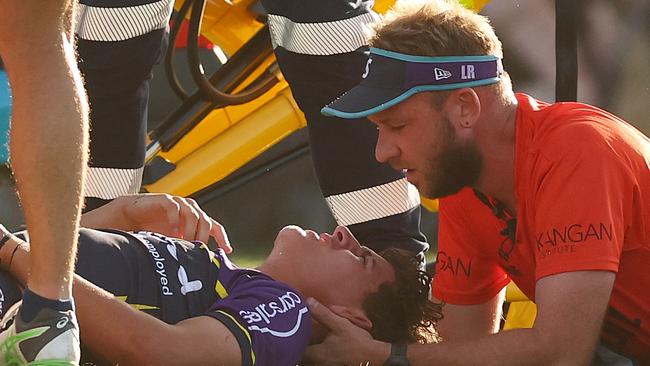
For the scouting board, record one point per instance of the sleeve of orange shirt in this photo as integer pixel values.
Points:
(465, 274)
(583, 194)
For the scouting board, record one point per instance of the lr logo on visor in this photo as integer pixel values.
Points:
(441, 74)
(467, 72)
(365, 73)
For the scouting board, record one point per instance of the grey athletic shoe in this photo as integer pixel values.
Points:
(51, 338)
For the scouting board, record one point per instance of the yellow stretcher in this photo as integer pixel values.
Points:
(521, 311)
(229, 137)
(206, 142)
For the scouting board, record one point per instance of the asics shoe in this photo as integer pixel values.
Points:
(50, 339)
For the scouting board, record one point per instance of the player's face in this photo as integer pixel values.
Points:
(333, 268)
(414, 136)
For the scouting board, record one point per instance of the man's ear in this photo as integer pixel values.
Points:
(464, 108)
(356, 316)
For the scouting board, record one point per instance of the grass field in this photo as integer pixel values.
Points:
(248, 259)
(253, 258)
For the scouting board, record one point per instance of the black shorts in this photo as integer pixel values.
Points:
(104, 259)
(125, 266)
(117, 77)
(140, 270)
(145, 275)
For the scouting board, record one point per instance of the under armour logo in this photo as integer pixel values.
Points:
(62, 323)
(441, 74)
(365, 74)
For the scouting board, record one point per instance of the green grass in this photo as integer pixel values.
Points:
(250, 255)
(252, 258)
(247, 260)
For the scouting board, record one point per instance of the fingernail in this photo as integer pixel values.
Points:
(312, 302)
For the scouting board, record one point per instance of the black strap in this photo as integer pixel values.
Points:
(397, 355)
(499, 210)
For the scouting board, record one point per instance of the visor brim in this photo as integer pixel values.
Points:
(362, 101)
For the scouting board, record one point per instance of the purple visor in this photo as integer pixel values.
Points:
(390, 77)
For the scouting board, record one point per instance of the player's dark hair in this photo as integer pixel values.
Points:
(401, 311)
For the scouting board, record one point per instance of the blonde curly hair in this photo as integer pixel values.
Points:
(438, 28)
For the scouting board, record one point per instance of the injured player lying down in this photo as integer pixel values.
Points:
(144, 298)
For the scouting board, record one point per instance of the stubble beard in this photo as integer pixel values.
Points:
(458, 165)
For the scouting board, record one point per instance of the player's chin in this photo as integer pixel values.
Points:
(292, 230)
(291, 235)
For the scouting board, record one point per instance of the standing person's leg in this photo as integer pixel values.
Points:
(118, 99)
(322, 50)
(117, 64)
(48, 136)
(48, 149)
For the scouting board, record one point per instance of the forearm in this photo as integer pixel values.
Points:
(470, 321)
(514, 347)
(107, 216)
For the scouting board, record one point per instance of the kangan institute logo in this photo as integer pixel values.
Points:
(441, 74)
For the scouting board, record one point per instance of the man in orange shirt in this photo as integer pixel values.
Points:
(553, 197)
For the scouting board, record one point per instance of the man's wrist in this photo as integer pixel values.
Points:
(378, 352)
(110, 215)
(397, 355)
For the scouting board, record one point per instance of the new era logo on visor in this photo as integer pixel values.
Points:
(367, 71)
(441, 73)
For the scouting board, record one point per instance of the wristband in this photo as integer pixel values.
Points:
(397, 355)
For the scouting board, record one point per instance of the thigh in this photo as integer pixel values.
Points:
(117, 263)
(101, 261)
(118, 99)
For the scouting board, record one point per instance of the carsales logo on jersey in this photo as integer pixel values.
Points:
(266, 312)
(261, 318)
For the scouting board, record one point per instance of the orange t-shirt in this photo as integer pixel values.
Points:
(582, 183)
